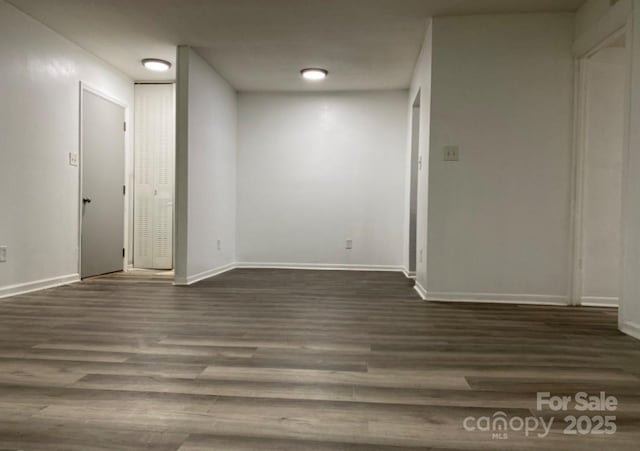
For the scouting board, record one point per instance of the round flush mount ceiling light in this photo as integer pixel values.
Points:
(314, 74)
(156, 65)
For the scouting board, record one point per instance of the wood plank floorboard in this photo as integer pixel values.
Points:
(297, 361)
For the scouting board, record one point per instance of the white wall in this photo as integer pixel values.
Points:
(602, 202)
(499, 218)
(39, 126)
(208, 154)
(315, 170)
(421, 85)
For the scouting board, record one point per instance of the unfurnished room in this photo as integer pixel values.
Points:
(287, 225)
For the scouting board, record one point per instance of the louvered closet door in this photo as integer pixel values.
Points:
(154, 174)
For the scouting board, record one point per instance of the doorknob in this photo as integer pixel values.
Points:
(86, 200)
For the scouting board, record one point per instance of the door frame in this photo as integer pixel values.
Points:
(414, 145)
(580, 144)
(86, 87)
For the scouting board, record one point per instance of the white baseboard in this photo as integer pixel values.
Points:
(498, 298)
(304, 266)
(409, 274)
(319, 267)
(593, 301)
(190, 280)
(631, 329)
(28, 287)
(489, 298)
(420, 290)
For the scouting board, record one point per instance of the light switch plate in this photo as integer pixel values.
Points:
(3, 254)
(349, 244)
(451, 153)
(73, 159)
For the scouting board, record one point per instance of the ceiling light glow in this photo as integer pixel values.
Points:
(314, 74)
(156, 65)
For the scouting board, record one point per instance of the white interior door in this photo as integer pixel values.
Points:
(154, 176)
(102, 236)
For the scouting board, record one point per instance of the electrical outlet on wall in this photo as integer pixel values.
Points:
(451, 153)
(73, 159)
(349, 244)
(3, 254)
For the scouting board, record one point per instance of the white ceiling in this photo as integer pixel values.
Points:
(261, 45)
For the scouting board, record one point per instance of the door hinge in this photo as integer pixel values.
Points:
(123, 252)
(124, 190)
(125, 126)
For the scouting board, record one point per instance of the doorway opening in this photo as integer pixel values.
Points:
(602, 93)
(154, 177)
(102, 183)
(413, 197)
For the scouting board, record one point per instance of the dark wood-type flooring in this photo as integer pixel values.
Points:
(296, 360)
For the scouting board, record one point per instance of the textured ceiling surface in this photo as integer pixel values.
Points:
(260, 45)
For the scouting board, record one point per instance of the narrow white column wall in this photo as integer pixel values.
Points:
(40, 76)
(206, 170)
